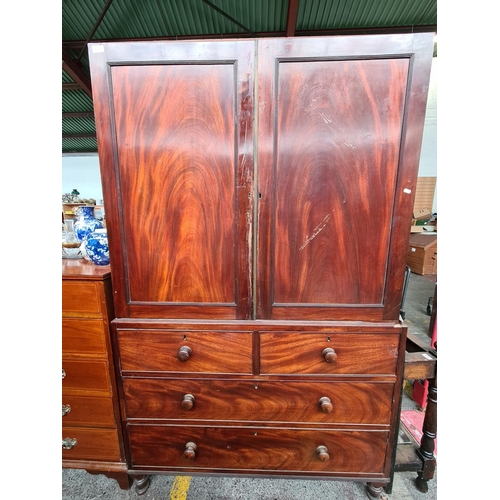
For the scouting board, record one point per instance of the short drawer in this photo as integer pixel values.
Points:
(305, 353)
(258, 449)
(90, 444)
(185, 351)
(85, 376)
(87, 411)
(263, 401)
(82, 299)
(84, 336)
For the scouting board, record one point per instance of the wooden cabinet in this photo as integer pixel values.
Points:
(91, 426)
(259, 198)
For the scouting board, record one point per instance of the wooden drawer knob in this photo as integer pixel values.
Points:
(190, 451)
(325, 404)
(322, 452)
(187, 402)
(329, 355)
(184, 353)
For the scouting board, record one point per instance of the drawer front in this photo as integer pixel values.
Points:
(347, 402)
(208, 352)
(87, 411)
(91, 444)
(82, 298)
(302, 353)
(86, 376)
(84, 336)
(258, 449)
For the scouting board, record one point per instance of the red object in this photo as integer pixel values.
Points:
(419, 392)
(413, 420)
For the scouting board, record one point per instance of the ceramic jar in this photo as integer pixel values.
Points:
(96, 247)
(86, 222)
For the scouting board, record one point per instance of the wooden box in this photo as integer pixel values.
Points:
(422, 253)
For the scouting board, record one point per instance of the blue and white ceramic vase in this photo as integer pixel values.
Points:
(96, 247)
(86, 222)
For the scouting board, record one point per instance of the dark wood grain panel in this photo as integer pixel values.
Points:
(212, 352)
(178, 193)
(301, 353)
(88, 411)
(263, 449)
(180, 146)
(259, 400)
(85, 376)
(332, 229)
(85, 337)
(336, 117)
(92, 444)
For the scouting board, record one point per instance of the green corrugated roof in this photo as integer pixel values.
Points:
(153, 19)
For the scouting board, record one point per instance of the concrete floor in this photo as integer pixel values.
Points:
(80, 485)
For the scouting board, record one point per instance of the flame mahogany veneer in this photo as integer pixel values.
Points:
(259, 198)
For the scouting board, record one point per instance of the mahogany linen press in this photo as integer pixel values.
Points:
(258, 197)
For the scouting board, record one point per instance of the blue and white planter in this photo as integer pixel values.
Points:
(96, 247)
(86, 222)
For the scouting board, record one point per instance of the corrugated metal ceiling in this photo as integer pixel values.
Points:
(165, 19)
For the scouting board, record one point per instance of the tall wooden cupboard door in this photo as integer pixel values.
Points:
(339, 135)
(175, 128)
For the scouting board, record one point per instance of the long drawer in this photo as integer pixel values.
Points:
(91, 377)
(84, 337)
(318, 402)
(87, 411)
(185, 351)
(258, 449)
(309, 353)
(91, 444)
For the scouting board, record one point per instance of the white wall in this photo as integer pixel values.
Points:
(428, 154)
(82, 172)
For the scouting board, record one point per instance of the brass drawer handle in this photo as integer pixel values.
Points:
(190, 451)
(184, 353)
(65, 409)
(187, 402)
(63, 373)
(322, 452)
(325, 404)
(68, 443)
(329, 355)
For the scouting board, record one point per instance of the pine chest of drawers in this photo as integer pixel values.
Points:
(91, 427)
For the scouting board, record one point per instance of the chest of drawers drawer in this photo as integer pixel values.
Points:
(82, 299)
(90, 377)
(183, 448)
(310, 353)
(87, 411)
(271, 401)
(85, 337)
(82, 443)
(185, 351)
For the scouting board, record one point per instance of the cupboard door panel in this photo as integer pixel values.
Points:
(182, 125)
(335, 115)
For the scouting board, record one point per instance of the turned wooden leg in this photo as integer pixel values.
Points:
(427, 443)
(374, 489)
(142, 484)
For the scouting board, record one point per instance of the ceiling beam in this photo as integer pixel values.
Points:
(84, 114)
(94, 29)
(71, 86)
(291, 19)
(73, 70)
(79, 136)
(227, 16)
(391, 30)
